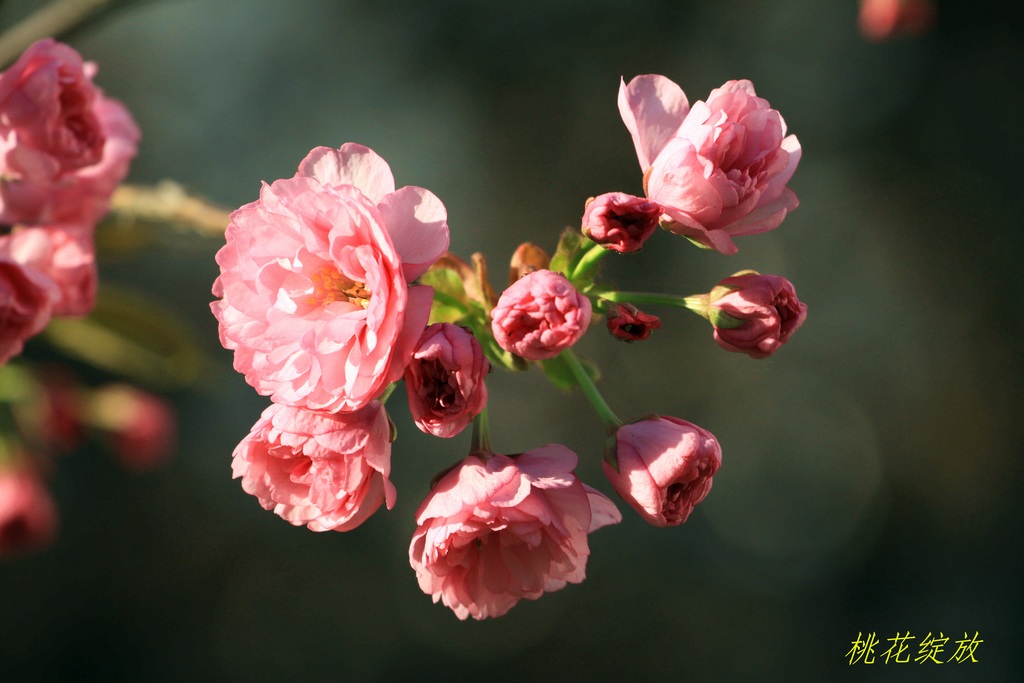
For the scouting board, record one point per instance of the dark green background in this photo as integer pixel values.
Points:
(871, 469)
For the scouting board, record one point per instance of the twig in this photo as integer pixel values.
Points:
(51, 20)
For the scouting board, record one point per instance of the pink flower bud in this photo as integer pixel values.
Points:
(493, 533)
(754, 314)
(540, 315)
(28, 516)
(664, 467)
(328, 471)
(26, 303)
(445, 380)
(883, 19)
(142, 426)
(620, 221)
(630, 324)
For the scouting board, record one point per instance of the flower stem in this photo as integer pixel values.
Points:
(698, 303)
(588, 262)
(480, 444)
(608, 417)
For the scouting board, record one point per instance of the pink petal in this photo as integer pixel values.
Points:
(417, 222)
(351, 165)
(652, 107)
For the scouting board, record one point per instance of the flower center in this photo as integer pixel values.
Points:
(329, 286)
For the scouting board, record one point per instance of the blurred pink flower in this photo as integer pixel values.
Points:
(493, 533)
(142, 426)
(540, 315)
(754, 314)
(328, 471)
(630, 324)
(663, 468)
(28, 516)
(718, 169)
(883, 19)
(315, 281)
(445, 380)
(26, 302)
(65, 254)
(64, 147)
(619, 221)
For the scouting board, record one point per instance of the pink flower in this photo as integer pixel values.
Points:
(754, 314)
(142, 426)
(882, 19)
(66, 255)
(492, 533)
(664, 467)
(619, 221)
(630, 324)
(28, 516)
(539, 315)
(718, 169)
(328, 471)
(445, 380)
(315, 280)
(26, 302)
(64, 147)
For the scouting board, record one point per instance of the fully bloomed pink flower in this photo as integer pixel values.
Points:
(540, 315)
(445, 380)
(66, 255)
(664, 467)
(315, 283)
(64, 146)
(719, 168)
(27, 298)
(28, 516)
(619, 221)
(493, 533)
(328, 471)
(754, 314)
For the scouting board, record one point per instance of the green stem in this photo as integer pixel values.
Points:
(588, 262)
(480, 444)
(608, 417)
(698, 303)
(383, 398)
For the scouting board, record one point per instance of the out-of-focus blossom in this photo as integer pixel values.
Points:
(28, 516)
(719, 168)
(316, 300)
(630, 324)
(754, 314)
(540, 315)
(64, 146)
(143, 427)
(27, 298)
(663, 467)
(445, 380)
(493, 533)
(619, 221)
(883, 19)
(328, 471)
(66, 255)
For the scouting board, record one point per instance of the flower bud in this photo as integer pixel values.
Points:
(28, 516)
(662, 466)
(754, 314)
(619, 221)
(445, 380)
(630, 324)
(540, 315)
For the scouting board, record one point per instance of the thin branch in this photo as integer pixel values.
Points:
(52, 20)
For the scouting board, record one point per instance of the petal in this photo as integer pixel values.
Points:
(351, 165)
(602, 510)
(652, 107)
(417, 222)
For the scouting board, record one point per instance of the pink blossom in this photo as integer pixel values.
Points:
(619, 221)
(494, 532)
(663, 468)
(26, 302)
(315, 280)
(540, 315)
(328, 471)
(630, 324)
(445, 380)
(142, 426)
(28, 516)
(66, 255)
(883, 19)
(719, 168)
(64, 146)
(754, 314)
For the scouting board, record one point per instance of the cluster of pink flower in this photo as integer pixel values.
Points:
(64, 148)
(334, 286)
